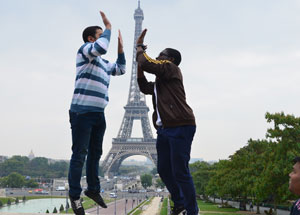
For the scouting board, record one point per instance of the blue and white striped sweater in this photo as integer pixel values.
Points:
(93, 75)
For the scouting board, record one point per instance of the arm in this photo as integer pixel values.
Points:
(145, 86)
(100, 46)
(159, 68)
(119, 68)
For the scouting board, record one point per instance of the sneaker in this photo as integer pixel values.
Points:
(77, 206)
(177, 210)
(96, 197)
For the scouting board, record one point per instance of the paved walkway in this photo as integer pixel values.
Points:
(119, 208)
(153, 208)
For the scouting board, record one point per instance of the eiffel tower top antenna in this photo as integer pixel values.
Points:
(135, 97)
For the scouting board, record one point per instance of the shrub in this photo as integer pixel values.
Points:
(226, 205)
(55, 210)
(61, 208)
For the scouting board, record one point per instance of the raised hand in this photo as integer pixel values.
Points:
(105, 20)
(140, 40)
(120, 43)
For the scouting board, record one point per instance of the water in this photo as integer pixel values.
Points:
(36, 206)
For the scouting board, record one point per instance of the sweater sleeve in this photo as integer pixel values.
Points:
(118, 68)
(97, 48)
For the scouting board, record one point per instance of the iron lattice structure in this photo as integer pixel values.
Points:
(124, 145)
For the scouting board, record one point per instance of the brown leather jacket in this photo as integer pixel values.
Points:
(171, 100)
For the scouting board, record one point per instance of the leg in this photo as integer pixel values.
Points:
(94, 153)
(81, 132)
(164, 168)
(180, 141)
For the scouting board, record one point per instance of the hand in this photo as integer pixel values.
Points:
(120, 43)
(140, 40)
(105, 20)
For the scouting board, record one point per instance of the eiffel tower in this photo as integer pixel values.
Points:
(124, 145)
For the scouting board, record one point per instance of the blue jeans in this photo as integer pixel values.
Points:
(87, 137)
(173, 154)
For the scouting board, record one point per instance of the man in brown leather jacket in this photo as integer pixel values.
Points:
(175, 123)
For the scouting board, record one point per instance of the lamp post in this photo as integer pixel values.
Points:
(67, 204)
(132, 202)
(115, 200)
(125, 204)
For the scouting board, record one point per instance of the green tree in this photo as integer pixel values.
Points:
(221, 180)
(253, 169)
(201, 173)
(47, 211)
(13, 180)
(37, 167)
(31, 183)
(8, 202)
(15, 164)
(54, 210)
(284, 140)
(160, 183)
(260, 169)
(132, 170)
(1, 204)
(17, 200)
(146, 180)
(154, 171)
(24, 198)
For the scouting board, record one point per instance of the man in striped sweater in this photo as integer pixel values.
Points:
(87, 110)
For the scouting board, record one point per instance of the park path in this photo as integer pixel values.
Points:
(153, 207)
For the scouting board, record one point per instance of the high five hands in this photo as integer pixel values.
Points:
(106, 22)
(140, 40)
(120, 43)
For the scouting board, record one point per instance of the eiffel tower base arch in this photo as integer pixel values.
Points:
(120, 151)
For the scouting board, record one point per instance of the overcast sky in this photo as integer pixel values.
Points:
(240, 60)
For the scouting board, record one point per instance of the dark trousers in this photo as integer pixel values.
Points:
(87, 136)
(173, 154)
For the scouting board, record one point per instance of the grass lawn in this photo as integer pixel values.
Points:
(213, 209)
(220, 213)
(139, 211)
(4, 200)
(164, 207)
